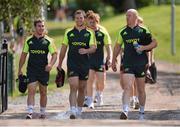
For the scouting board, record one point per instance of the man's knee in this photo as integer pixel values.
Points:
(74, 87)
(31, 90)
(82, 87)
(43, 93)
(141, 91)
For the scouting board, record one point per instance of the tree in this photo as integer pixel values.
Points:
(26, 9)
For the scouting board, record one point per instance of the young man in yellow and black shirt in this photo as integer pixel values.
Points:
(38, 46)
(97, 62)
(135, 40)
(81, 42)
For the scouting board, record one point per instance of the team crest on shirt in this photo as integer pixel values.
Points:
(140, 30)
(125, 33)
(30, 42)
(71, 35)
(86, 35)
(45, 42)
(100, 35)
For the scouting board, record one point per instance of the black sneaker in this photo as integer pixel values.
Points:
(42, 116)
(72, 116)
(123, 115)
(29, 116)
(136, 105)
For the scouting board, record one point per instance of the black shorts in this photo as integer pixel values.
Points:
(82, 73)
(138, 71)
(42, 77)
(97, 67)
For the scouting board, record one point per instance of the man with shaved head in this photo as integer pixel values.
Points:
(135, 41)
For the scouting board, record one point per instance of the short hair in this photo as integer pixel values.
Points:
(80, 12)
(38, 21)
(134, 11)
(94, 16)
(89, 12)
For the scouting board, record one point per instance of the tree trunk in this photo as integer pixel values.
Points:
(129, 4)
(1, 31)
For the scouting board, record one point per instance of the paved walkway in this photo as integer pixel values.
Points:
(162, 106)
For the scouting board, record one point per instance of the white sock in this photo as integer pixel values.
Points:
(100, 93)
(79, 109)
(30, 109)
(73, 108)
(42, 110)
(136, 99)
(125, 108)
(89, 100)
(131, 98)
(141, 109)
(97, 93)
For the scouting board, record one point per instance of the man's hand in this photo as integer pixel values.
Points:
(82, 51)
(48, 67)
(140, 48)
(59, 67)
(113, 65)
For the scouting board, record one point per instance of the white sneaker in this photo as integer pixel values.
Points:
(124, 115)
(86, 103)
(131, 103)
(136, 105)
(141, 115)
(96, 98)
(73, 113)
(100, 100)
(91, 105)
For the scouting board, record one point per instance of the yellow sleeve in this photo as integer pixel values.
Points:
(52, 47)
(119, 39)
(65, 39)
(92, 38)
(26, 46)
(107, 38)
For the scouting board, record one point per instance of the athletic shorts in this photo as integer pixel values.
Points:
(42, 77)
(138, 71)
(82, 73)
(97, 67)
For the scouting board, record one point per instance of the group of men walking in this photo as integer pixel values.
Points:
(86, 61)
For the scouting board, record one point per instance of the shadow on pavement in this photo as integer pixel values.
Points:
(170, 81)
(134, 115)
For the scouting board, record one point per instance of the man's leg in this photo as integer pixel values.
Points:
(141, 92)
(128, 79)
(101, 79)
(31, 98)
(132, 95)
(74, 85)
(135, 94)
(121, 80)
(89, 87)
(97, 92)
(43, 99)
(81, 95)
(81, 92)
(142, 96)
